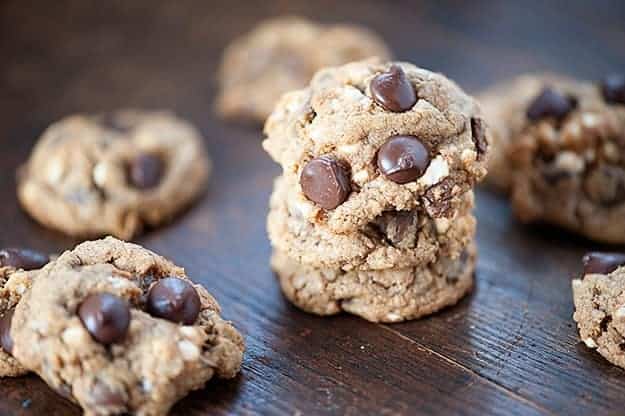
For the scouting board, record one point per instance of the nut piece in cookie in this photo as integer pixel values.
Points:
(18, 268)
(557, 149)
(114, 174)
(120, 329)
(599, 298)
(281, 55)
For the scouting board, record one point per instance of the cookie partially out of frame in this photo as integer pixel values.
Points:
(557, 149)
(121, 330)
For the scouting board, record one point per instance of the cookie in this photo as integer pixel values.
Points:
(372, 137)
(392, 240)
(18, 268)
(115, 174)
(557, 145)
(282, 54)
(599, 298)
(119, 329)
(391, 295)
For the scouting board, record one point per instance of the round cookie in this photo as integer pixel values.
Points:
(391, 295)
(18, 268)
(377, 137)
(282, 54)
(100, 175)
(119, 329)
(392, 240)
(557, 146)
(599, 298)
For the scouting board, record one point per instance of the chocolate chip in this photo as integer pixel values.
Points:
(478, 133)
(326, 181)
(175, 300)
(393, 91)
(613, 89)
(602, 263)
(6, 342)
(550, 104)
(21, 258)
(106, 317)
(146, 171)
(403, 159)
(102, 395)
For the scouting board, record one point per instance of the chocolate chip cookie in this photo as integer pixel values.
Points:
(282, 54)
(599, 298)
(119, 329)
(18, 266)
(373, 212)
(371, 137)
(390, 295)
(395, 239)
(557, 148)
(114, 174)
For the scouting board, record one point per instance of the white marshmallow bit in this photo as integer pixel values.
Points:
(590, 343)
(74, 336)
(620, 312)
(55, 171)
(393, 317)
(100, 172)
(570, 162)
(188, 350)
(589, 120)
(361, 176)
(437, 170)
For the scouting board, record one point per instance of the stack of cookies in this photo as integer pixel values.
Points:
(373, 212)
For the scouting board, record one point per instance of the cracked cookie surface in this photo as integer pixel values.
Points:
(557, 148)
(599, 298)
(377, 145)
(391, 295)
(392, 240)
(119, 329)
(280, 55)
(114, 174)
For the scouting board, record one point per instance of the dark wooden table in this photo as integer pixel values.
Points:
(509, 349)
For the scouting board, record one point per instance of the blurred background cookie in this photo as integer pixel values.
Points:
(282, 54)
(113, 174)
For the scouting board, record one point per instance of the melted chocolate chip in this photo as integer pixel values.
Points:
(602, 263)
(21, 258)
(550, 104)
(146, 171)
(478, 133)
(175, 300)
(403, 159)
(106, 317)
(326, 181)
(6, 342)
(393, 90)
(613, 89)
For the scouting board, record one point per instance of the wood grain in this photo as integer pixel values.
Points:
(509, 349)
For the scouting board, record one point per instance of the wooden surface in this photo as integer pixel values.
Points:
(511, 348)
